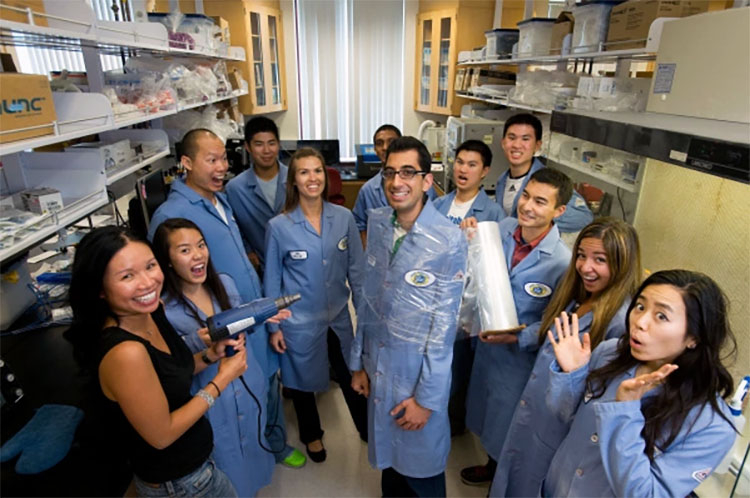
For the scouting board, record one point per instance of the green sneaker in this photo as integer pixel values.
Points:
(295, 459)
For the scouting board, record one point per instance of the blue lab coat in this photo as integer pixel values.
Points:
(234, 416)
(252, 209)
(483, 209)
(535, 432)
(298, 260)
(576, 216)
(227, 253)
(371, 196)
(406, 323)
(603, 453)
(500, 371)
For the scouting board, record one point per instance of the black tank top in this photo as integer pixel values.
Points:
(175, 374)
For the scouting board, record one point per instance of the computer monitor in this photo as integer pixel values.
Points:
(368, 162)
(328, 148)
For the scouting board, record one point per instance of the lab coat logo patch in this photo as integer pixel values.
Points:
(298, 255)
(700, 475)
(419, 278)
(343, 243)
(537, 289)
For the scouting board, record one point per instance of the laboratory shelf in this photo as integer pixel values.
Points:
(122, 172)
(582, 168)
(82, 114)
(648, 52)
(76, 211)
(504, 101)
(72, 24)
(156, 138)
(80, 179)
(78, 115)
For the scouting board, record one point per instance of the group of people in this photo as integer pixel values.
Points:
(612, 386)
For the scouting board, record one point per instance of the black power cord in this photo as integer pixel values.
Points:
(260, 414)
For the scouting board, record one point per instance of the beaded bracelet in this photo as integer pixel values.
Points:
(206, 396)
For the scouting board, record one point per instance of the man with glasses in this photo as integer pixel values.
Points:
(406, 325)
(371, 195)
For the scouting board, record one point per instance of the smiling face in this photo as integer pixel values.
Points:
(405, 196)
(132, 281)
(207, 169)
(536, 205)
(469, 170)
(658, 326)
(264, 150)
(188, 255)
(592, 265)
(309, 177)
(520, 143)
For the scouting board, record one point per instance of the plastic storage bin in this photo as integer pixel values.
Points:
(591, 25)
(535, 36)
(500, 42)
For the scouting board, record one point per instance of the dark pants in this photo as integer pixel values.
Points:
(308, 418)
(463, 359)
(394, 484)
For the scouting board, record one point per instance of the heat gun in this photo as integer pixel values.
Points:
(231, 322)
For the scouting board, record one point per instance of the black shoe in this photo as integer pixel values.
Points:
(316, 456)
(478, 475)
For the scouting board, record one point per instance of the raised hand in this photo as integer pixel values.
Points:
(570, 352)
(635, 388)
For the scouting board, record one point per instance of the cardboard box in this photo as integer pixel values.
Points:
(235, 78)
(563, 25)
(692, 7)
(631, 20)
(223, 25)
(25, 101)
(15, 16)
(42, 200)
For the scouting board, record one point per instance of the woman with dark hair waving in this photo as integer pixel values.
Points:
(193, 291)
(648, 418)
(600, 281)
(145, 369)
(313, 248)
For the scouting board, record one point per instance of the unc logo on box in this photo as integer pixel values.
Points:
(20, 105)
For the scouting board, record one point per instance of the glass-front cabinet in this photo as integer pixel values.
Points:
(257, 26)
(436, 51)
(441, 34)
(265, 39)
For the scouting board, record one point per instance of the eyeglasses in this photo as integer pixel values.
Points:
(406, 173)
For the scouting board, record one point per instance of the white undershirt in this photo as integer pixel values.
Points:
(458, 210)
(512, 186)
(221, 211)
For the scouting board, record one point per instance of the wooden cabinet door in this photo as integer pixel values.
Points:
(265, 59)
(436, 56)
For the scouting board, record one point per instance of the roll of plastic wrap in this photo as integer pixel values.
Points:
(495, 305)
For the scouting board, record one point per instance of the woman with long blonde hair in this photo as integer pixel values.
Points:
(597, 288)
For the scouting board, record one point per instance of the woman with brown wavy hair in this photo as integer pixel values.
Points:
(597, 287)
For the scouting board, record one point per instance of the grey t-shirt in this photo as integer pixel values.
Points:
(268, 188)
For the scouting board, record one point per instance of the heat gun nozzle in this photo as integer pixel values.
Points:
(286, 301)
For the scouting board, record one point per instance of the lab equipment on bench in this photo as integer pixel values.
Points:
(459, 130)
(231, 322)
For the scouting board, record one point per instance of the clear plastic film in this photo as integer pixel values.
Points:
(417, 295)
(489, 289)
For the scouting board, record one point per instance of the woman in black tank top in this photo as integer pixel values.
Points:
(144, 369)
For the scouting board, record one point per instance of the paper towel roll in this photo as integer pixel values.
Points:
(495, 305)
